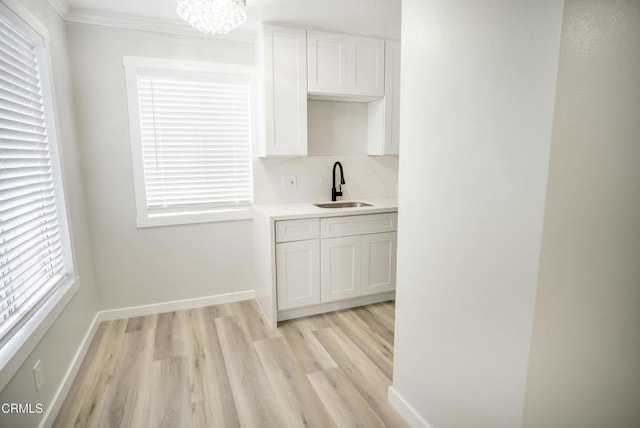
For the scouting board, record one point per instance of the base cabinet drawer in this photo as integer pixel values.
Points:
(298, 274)
(334, 227)
(297, 230)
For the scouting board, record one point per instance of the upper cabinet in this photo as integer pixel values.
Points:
(345, 67)
(366, 66)
(282, 91)
(383, 133)
(294, 65)
(327, 54)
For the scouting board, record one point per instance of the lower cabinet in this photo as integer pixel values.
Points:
(378, 263)
(298, 273)
(340, 271)
(349, 257)
(357, 266)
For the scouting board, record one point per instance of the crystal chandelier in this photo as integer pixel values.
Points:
(213, 16)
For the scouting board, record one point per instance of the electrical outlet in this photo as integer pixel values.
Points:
(38, 376)
(289, 182)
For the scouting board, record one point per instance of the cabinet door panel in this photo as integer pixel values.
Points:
(392, 98)
(298, 274)
(378, 263)
(285, 80)
(366, 66)
(327, 54)
(340, 276)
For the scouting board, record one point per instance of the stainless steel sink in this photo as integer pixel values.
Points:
(342, 205)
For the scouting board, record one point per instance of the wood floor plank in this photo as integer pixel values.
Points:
(375, 324)
(85, 401)
(300, 403)
(362, 372)
(379, 351)
(342, 400)
(210, 393)
(385, 314)
(169, 342)
(255, 400)
(255, 323)
(214, 353)
(169, 397)
(305, 346)
(217, 311)
(127, 397)
(316, 322)
(223, 366)
(141, 323)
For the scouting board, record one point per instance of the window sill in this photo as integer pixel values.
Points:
(15, 352)
(194, 217)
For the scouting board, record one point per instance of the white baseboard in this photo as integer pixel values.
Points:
(178, 305)
(264, 315)
(405, 409)
(134, 311)
(63, 389)
(322, 308)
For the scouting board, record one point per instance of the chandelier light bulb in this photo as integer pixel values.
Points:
(213, 16)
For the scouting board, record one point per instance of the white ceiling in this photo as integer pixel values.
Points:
(380, 18)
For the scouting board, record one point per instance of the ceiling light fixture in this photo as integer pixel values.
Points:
(213, 16)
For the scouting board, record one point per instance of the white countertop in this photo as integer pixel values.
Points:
(287, 211)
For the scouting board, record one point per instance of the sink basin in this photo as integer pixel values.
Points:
(342, 205)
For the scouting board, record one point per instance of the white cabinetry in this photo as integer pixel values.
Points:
(333, 227)
(341, 258)
(298, 273)
(355, 266)
(384, 115)
(294, 64)
(366, 66)
(327, 54)
(297, 230)
(335, 262)
(282, 88)
(346, 66)
(298, 263)
(358, 255)
(378, 263)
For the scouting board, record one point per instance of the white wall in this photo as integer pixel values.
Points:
(477, 104)
(61, 342)
(143, 266)
(337, 128)
(585, 353)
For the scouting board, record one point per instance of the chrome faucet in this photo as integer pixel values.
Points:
(335, 193)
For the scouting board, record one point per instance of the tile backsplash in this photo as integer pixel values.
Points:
(365, 177)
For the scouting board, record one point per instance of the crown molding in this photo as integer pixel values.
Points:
(61, 7)
(138, 23)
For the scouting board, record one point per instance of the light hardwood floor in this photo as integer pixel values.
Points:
(222, 366)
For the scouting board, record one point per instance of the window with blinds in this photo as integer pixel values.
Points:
(194, 141)
(32, 262)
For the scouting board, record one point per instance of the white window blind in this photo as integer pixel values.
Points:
(31, 253)
(196, 141)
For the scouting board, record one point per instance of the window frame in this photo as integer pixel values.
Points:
(22, 339)
(134, 66)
